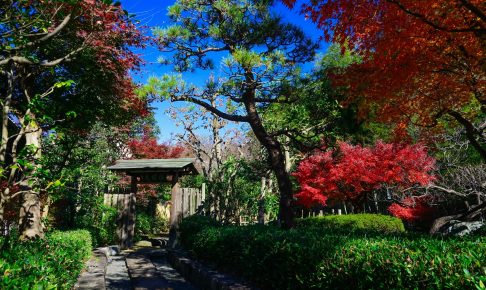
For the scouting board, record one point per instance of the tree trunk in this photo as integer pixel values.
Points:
(285, 187)
(375, 201)
(471, 133)
(288, 161)
(277, 163)
(30, 223)
(5, 112)
(2, 211)
(261, 202)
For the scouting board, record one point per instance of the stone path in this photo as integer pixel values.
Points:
(143, 268)
(116, 276)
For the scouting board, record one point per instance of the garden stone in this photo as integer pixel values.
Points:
(459, 228)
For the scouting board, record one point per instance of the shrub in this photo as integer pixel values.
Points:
(324, 258)
(54, 262)
(104, 230)
(192, 225)
(148, 225)
(355, 222)
(142, 226)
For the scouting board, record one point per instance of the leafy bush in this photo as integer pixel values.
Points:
(142, 226)
(355, 222)
(192, 225)
(103, 228)
(148, 225)
(52, 263)
(325, 258)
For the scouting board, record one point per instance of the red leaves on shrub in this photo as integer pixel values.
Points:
(413, 209)
(349, 172)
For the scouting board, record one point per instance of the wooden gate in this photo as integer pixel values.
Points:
(189, 200)
(125, 205)
(186, 202)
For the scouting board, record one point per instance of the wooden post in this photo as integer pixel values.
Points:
(193, 201)
(132, 212)
(127, 231)
(182, 201)
(175, 201)
(175, 210)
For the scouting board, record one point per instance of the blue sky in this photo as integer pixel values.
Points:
(152, 13)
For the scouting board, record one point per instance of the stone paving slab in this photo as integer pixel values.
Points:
(117, 277)
(142, 269)
(143, 273)
(174, 279)
(94, 275)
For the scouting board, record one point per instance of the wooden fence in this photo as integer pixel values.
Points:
(189, 200)
(116, 200)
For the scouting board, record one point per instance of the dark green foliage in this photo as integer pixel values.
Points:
(103, 227)
(78, 163)
(192, 225)
(313, 258)
(355, 222)
(235, 191)
(52, 263)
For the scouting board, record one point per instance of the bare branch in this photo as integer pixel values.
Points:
(44, 63)
(47, 36)
(447, 190)
(434, 25)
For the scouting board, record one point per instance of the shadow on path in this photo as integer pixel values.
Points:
(143, 268)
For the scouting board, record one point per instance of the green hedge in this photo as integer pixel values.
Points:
(321, 258)
(355, 222)
(52, 263)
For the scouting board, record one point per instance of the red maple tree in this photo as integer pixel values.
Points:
(422, 60)
(148, 147)
(350, 172)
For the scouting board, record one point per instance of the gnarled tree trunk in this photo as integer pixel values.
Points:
(277, 163)
(30, 223)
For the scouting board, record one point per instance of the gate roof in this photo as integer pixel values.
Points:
(181, 166)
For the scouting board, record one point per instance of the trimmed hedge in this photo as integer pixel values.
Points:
(321, 258)
(52, 263)
(355, 222)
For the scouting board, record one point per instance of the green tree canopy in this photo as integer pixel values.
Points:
(261, 58)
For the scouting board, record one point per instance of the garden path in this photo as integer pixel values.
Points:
(139, 269)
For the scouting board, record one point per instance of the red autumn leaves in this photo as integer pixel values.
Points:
(420, 58)
(148, 147)
(349, 172)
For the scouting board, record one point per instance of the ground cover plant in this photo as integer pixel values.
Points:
(325, 258)
(51, 263)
